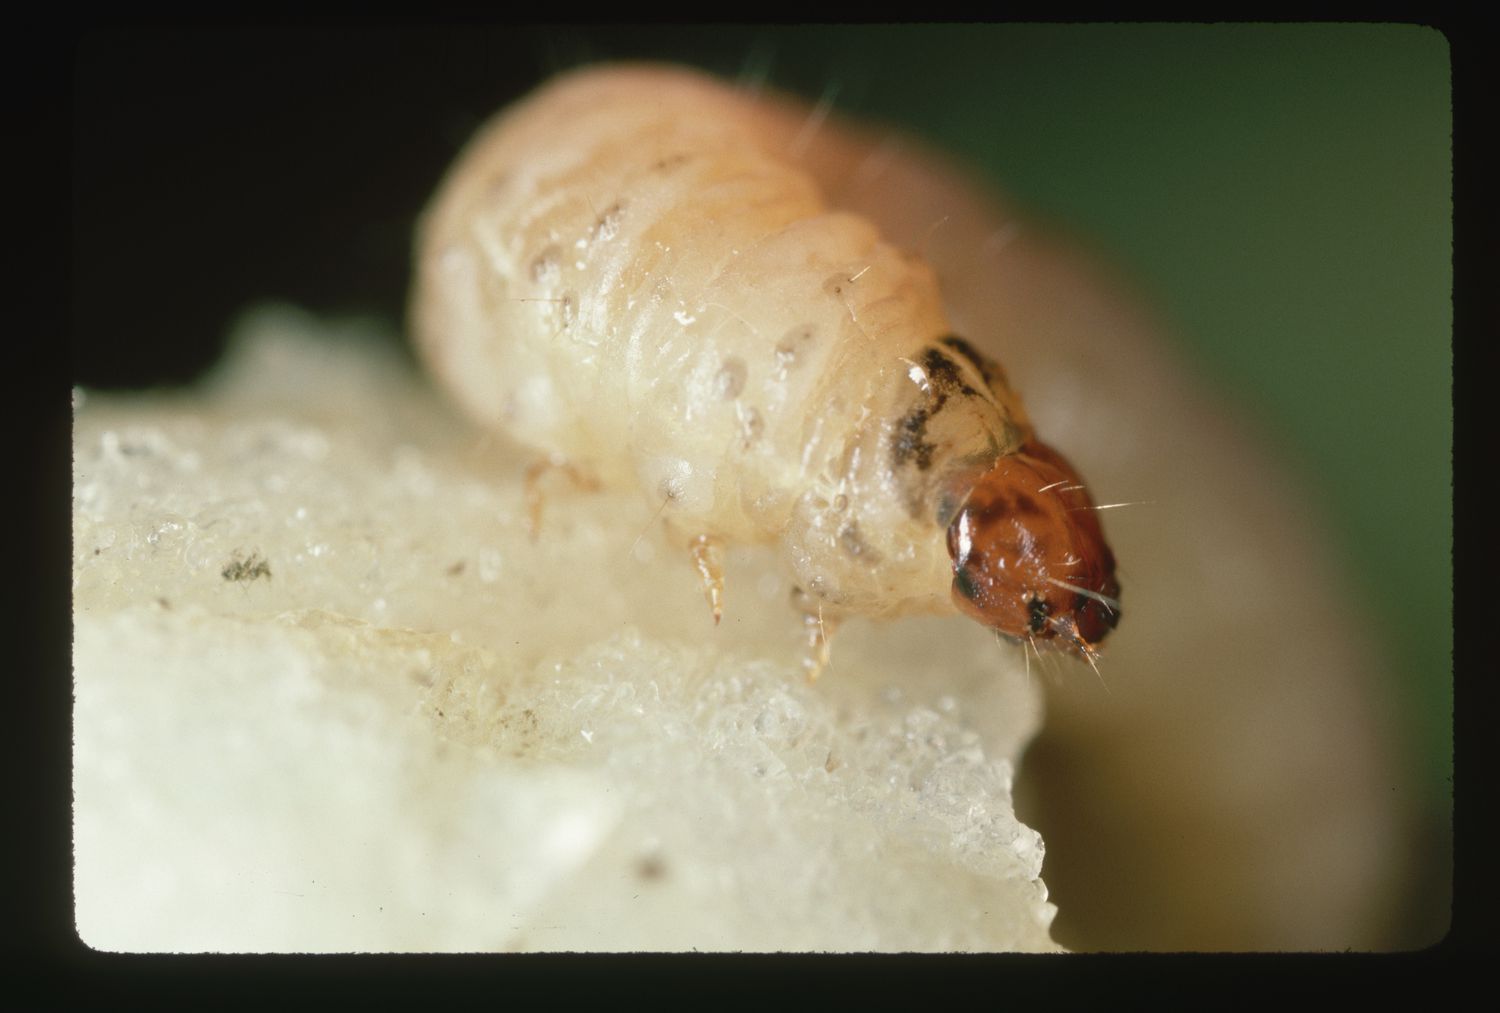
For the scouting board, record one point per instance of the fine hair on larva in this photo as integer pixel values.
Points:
(630, 272)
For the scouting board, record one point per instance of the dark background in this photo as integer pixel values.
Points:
(1282, 193)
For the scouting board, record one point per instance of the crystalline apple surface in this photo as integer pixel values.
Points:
(330, 695)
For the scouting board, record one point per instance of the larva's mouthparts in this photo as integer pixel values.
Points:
(1029, 556)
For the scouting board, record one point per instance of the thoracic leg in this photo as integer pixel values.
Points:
(819, 627)
(708, 558)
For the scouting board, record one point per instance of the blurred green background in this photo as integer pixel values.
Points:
(1282, 193)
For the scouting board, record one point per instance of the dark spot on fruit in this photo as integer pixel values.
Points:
(245, 569)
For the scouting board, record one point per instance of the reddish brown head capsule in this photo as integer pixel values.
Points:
(1029, 557)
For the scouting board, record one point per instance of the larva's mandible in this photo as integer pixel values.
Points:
(628, 271)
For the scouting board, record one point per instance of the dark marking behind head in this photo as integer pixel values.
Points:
(988, 368)
(943, 373)
(910, 442)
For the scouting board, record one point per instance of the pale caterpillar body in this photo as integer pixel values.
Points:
(629, 271)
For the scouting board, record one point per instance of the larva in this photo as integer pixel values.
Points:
(629, 271)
